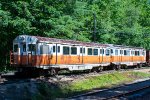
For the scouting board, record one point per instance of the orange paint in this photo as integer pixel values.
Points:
(35, 60)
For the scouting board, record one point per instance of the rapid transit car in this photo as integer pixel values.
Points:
(51, 54)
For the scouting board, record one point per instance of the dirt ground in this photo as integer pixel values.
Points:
(143, 70)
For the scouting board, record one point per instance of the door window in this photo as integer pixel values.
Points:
(24, 47)
(15, 47)
(31, 47)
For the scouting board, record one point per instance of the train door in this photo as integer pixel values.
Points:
(131, 55)
(141, 55)
(102, 55)
(16, 53)
(20, 50)
(31, 54)
(66, 58)
(23, 58)
(108, 54)
(120, 55)
(112, 56)
(116, 56)
(82, 54)
(56, 53)
(128, 58)
(46, 54)
(147, 54)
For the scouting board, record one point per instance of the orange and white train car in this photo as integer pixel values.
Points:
(50, 53)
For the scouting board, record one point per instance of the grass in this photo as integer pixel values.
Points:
(89, 83)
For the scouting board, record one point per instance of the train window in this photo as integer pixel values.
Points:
(24, 47)
(95, 51)
(44, 49)
(31, 47)
(132, 53)
(125, 52)
(107, 52)
(121, 52)
(137, 53)
(54, 48)
(89, 51)
(15, 47)
(58, 48)
(41, 49)
(143, 53)
(82, 50)
(128, 52)
(101, 51)
(116, 52)
(73, 50)
(66, 50)
(111, 51)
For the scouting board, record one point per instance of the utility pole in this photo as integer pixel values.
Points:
(94, 29)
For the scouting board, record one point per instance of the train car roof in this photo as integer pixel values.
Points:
(65, 41)
(130, 47)
(34, 39)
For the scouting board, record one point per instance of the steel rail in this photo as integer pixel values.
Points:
(127, 93)
(116, 95)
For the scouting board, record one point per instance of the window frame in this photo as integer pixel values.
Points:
(96, 52)
(68, 53)
(89, 53)
(76, 52)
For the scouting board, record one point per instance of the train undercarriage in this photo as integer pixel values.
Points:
(52, 71)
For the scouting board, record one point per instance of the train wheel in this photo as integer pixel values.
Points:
(100, 69)
(139, 65)
(89, 70)
(117, 67)
(53, 72)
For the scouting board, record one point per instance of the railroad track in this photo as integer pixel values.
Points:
(114, 93)
(70, 75)
(12, 78)
(12, 74)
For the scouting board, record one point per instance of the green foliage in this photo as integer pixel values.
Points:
(119, 22)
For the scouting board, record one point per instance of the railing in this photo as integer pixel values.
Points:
(11, 58)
